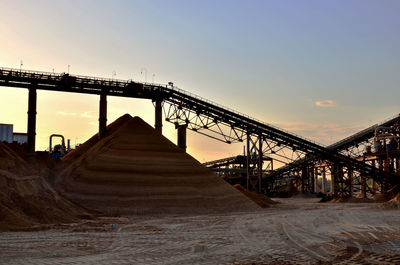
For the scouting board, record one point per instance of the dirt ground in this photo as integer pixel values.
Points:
(295, 231)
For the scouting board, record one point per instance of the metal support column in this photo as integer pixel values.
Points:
(334, 173)
(248, 161)
(260, 161)
(304, 176)
(316, 184)
(363, 187)
(323, 187)
(103, 116)
(350, 181)
(158, 116)
(182, 136)
(311, 180)
(32, 99)
(374, 185)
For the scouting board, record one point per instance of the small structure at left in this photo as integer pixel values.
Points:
(8, 135)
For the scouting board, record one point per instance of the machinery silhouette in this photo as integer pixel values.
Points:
(265, 143)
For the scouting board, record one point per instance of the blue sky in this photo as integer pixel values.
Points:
(322, 69)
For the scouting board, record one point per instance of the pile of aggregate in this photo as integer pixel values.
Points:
(259, 198)
(27, 201)
(136, 170)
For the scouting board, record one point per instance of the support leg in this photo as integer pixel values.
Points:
(31, 123)
(304, 176)
(103, 116)
(334, 173)
(182, 136)
(350, 181)
(323, 187)
(316, 184)
(311, 180)
(248, 161)
(158, 116)
(260, 162)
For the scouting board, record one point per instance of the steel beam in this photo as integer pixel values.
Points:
(260, 161)
(32, 100)
(248, 161)
(158, 116)
(311, 179)
(350, 181)
(182, 136)
(323, 188)
(304, 176)
(316, 184)
(103, 116)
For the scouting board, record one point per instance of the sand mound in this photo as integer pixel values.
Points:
(11, 162)
(387, 196)
(393, 203)
(26, 200)
(83, 148)
(262, 200)
(136, 170)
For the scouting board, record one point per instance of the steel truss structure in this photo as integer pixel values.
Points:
(346, 181)
(202, 116)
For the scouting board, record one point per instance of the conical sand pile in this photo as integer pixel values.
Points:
(136, 170)
(27, 200)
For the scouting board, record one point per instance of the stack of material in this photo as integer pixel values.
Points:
(388, 195)
(27, 200)
(136, 170)
(262, 200)
(393, 203)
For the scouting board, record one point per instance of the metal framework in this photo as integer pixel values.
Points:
(347, 181)
(200, 115)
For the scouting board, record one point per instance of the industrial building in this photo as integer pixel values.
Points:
(8, 135)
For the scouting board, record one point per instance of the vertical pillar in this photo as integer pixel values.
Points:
(248, 161)
(363, 181)
(260, 161)
(182, 136)
(158, 116)
(350, 181)
(103, 116)
(380, 163)
(316, 184)
(374, 186)
(363, 186)
(304, 176)
(32, 99)
(334, 180)
(311, 179)
(323, 187)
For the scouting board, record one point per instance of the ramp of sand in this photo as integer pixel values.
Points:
(136, 170)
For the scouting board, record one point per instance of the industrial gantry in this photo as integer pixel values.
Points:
(264, 142)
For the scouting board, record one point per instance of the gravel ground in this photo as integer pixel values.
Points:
(295, 231)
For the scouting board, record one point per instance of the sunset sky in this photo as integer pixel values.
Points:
(321, 69)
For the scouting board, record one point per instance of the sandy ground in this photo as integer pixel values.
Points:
(296, 231)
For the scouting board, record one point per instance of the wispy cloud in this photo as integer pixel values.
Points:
(66, 113)
(325, 103)
(88, 114)
(326, 133)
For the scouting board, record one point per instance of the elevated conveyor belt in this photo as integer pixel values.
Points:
(341, 145)
(185, 101)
